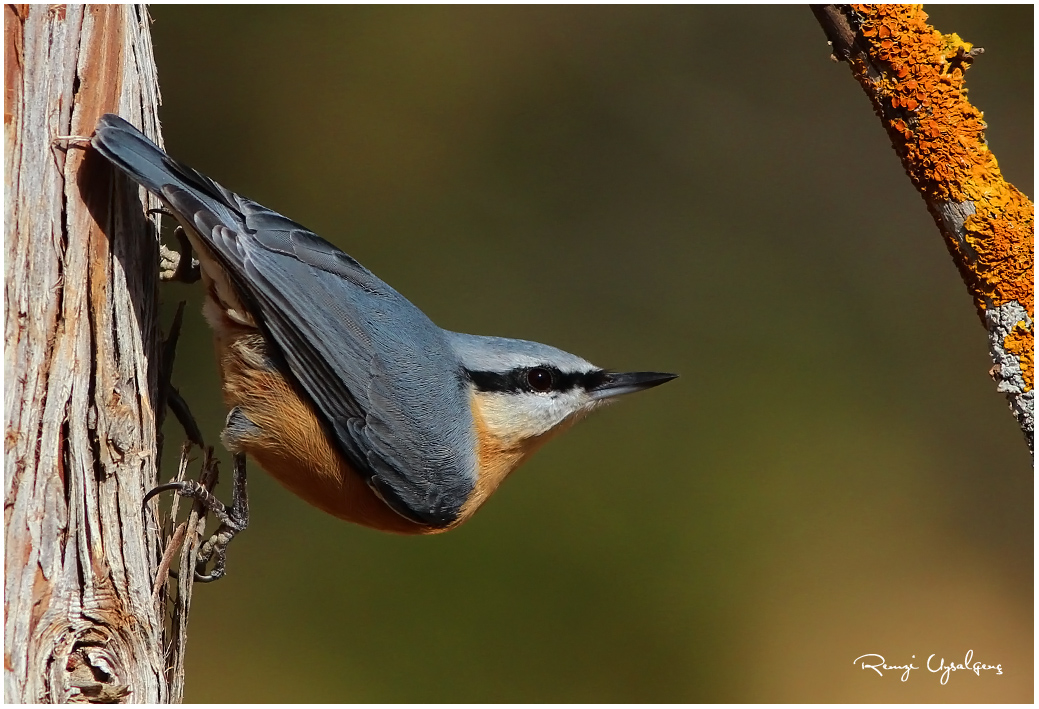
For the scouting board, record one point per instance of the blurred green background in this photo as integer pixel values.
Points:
(689, 189)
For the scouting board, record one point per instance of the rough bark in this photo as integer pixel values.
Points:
(85, 618)
(914, 77)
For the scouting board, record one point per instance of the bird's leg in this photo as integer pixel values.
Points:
(173, 265)
(232, 520)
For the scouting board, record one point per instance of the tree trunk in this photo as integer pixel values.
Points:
(85, 617)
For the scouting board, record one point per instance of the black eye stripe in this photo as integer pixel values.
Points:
(518, 380)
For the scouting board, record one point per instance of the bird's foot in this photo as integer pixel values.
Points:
(177, 265)
(233, 519)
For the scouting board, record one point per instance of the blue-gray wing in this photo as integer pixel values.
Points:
(378, 371)
(376, 367)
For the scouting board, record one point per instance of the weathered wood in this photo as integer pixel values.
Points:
(84, 621)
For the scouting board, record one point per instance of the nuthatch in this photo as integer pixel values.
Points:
(337, 385)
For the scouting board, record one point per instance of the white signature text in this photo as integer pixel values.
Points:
(878, 664)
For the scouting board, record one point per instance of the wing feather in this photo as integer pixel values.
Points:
(387, 398)
(376, 369)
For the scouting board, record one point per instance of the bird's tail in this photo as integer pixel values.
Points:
(145, 162)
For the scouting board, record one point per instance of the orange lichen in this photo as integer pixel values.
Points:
(921, 97)
(939, 136)
(1019, 344)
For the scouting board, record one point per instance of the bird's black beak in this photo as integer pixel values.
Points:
(618, 383)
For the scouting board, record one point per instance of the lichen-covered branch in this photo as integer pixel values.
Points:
(85, 620)
(914, 77)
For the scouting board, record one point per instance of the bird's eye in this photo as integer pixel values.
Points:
(539, 379)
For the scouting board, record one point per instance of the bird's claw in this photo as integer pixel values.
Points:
(177, 265)
(233, 519)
